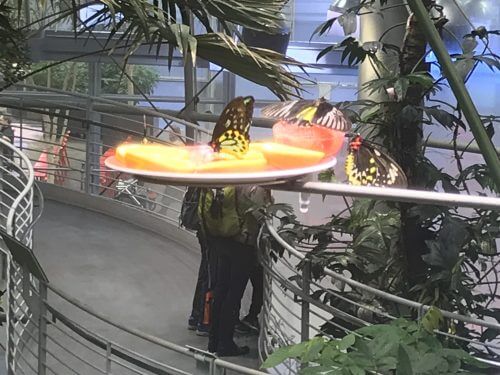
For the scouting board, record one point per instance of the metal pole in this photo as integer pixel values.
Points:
(372, 27)
(190, 90)
(92, 153)
(306, 287)
(189, 93)
(42, 330)
(392, 194)
(11, 347)
(458, 87)
(447, 145)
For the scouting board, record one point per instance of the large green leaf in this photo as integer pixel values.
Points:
(404, 363)
(143, 22)
(261, 66)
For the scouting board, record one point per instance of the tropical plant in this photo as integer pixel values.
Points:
(113, 80)
(14, 61)
(435, 255)
(401, 347)
(136, 23)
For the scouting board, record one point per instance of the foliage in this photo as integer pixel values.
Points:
(113, 80)
(136, 23)
(400, 347)
(431, 254)
(14, 61)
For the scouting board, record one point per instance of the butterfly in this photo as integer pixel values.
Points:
(365, 165)
(309, 112)
(230, 134)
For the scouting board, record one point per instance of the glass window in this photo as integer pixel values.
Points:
(308, 15)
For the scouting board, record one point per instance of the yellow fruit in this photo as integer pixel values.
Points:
(251, 154)
(283, 156)
(237, 165)
(155, 157)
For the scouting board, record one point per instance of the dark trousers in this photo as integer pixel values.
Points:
(203, 282)
(257, 280)
(233, 262)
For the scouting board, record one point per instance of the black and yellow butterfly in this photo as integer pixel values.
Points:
(230, 134)
(365, 165)
(309, 112)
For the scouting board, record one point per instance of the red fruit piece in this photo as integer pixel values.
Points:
(312, 137)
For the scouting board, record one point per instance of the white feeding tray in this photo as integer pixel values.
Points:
(266, 177)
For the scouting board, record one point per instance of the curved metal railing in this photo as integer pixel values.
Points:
(295, 307)
(16, 220)
(17, 191)
(67, 146)
(50, 332)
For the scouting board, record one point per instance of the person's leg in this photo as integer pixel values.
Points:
(220, 286)
(240, 265)
(257, 280)
(201, 287)
(250, 323)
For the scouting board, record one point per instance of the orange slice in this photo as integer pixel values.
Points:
(252, 161)
(312, 137)
(155, 157)
(285, 157)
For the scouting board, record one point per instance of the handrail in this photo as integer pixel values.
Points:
(39, 214)
(392, 194)
(145, 336)
(27, 188)
(259, 122)
(377, 292)
(142, 110)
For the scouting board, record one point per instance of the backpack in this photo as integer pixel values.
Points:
(225, 222)
(189, 218)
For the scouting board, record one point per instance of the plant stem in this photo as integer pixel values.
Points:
(458, 87)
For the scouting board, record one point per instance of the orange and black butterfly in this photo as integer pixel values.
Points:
(231, 132)
(365, 165)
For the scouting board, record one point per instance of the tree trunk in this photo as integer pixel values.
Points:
(409, 133)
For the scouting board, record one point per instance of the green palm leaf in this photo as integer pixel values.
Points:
(139, 22)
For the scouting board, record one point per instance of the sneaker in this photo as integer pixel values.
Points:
(252, 323)
(202, 329)
(192, 323)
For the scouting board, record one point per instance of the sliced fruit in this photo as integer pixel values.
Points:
(283, 156)
(250, 154)
(253, 161)
(155, 157)
(313, 137)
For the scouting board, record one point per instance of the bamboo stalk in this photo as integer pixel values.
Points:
(459, 90)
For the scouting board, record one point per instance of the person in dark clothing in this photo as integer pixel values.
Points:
(233, 263)
(196, 319)
(233, 229)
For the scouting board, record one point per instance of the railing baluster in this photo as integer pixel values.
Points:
(42, 329)
(306, 286)
(108, 358)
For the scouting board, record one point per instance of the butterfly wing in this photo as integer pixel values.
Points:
(365, 165)
(231, 132)
(288, 110)
(309, 112)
